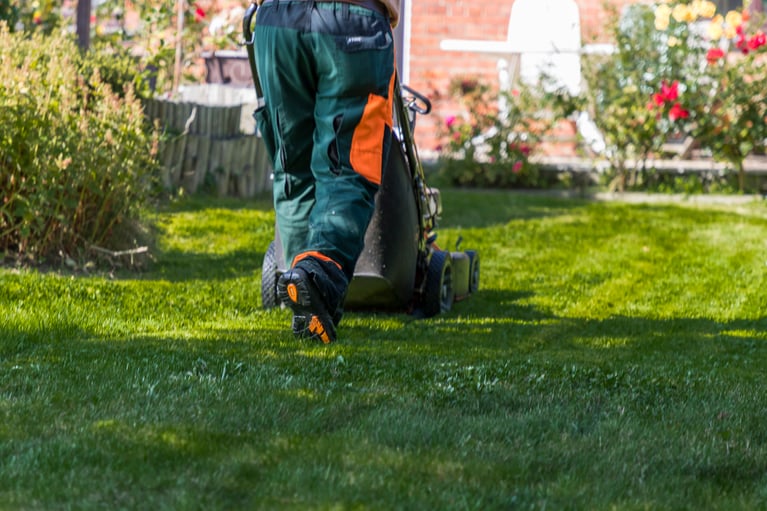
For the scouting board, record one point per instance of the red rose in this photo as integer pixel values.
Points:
(714, 54)
(670, 92)
(677, 112)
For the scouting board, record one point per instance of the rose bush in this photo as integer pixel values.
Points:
(149, 29)
(681, 69)
(723, 103)
(224, 29)
(490, 141)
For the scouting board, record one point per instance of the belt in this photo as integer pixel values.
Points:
(373, 5)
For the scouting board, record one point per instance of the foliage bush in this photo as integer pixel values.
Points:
(76, 157)
(153, 38)
(117, 68)
(722, 99)
(619, 87)
(147, 28)
(681, 69)
(152, 41)
(42, 15)
(490, 145)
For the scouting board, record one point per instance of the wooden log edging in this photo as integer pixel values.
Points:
(203, 147)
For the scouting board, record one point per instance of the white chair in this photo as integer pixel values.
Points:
(543, 36)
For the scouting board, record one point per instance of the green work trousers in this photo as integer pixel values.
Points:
(327, 74)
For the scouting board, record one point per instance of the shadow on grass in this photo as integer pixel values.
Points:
(242, 411)
(517, 329)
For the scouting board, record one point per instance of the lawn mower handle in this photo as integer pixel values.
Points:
(247, 32)
(424, 107)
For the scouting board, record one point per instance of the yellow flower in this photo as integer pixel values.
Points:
(662, 14)
(733, 19)
(702, 9)
(682, 13)
(673, 41)
(715, 29)
(706, 9)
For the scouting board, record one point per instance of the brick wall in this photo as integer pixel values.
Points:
(431, 69)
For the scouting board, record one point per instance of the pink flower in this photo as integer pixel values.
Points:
(521, 147)
(677, 112)
(742, 44)
(450, 121)
(517, 167)
(757, 40)
(199, 14)
(714, 54)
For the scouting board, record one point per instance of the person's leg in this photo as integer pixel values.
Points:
(353, 116)
(287, 119)
(286, 122)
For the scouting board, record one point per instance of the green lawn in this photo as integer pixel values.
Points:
(614, 358)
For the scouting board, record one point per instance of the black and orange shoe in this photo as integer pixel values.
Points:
(311, 319)
(300, 323)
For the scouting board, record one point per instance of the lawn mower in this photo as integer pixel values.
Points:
(401, 266)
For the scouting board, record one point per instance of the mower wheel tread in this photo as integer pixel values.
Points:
(269, 277)
(438, 293)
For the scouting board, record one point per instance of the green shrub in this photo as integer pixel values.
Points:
(9, 12)
(680, 69)
(40, 15)
(491, 142)
(620, 87)
(117, 68)
(76, 158)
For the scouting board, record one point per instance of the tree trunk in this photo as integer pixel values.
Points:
(84, 24)
(179, 44)
(741, 175)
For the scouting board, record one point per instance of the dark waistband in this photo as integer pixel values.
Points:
(373, 5)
